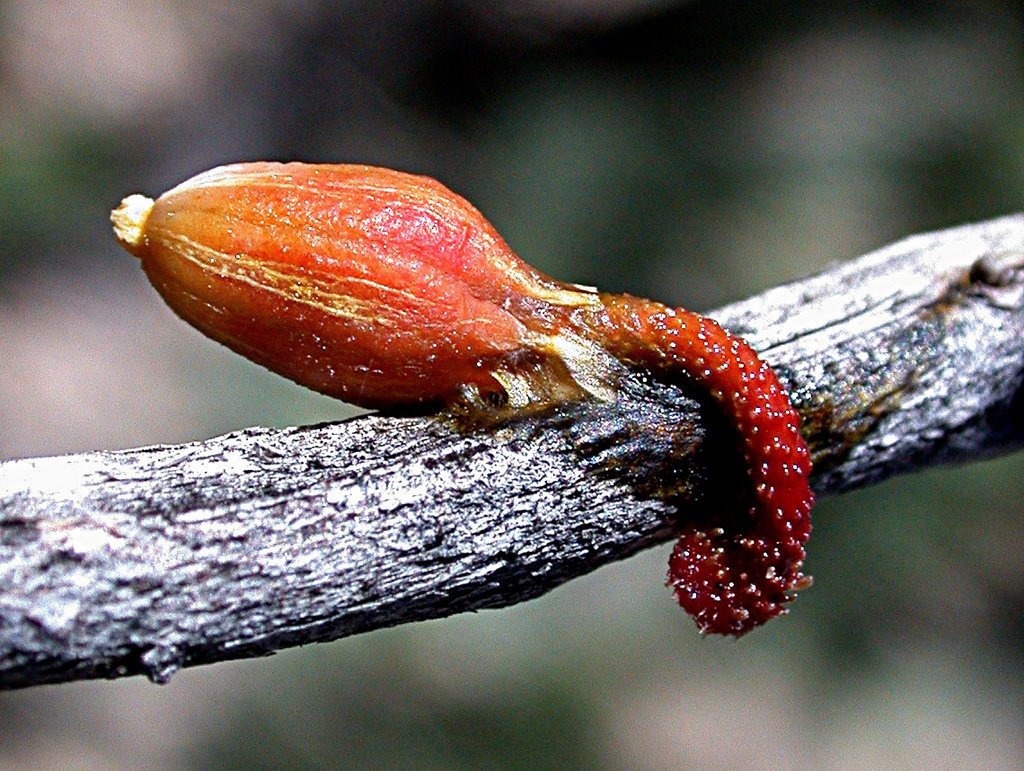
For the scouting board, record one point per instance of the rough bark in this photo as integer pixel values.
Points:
(149, 560)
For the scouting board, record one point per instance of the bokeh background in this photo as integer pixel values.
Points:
(697, 152)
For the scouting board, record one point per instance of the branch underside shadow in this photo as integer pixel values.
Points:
(149, 560)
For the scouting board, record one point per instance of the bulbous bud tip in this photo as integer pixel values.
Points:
(129, 220)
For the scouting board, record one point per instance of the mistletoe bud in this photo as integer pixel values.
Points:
(374, 286)
(387, 289)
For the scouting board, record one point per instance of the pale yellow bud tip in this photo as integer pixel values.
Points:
(129, 220)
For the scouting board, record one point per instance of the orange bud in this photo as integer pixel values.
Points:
(374, 286)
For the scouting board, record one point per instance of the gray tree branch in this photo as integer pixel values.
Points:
(145, 561)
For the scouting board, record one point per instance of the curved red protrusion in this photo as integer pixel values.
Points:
(736, 577)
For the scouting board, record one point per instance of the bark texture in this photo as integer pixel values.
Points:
(149, 560)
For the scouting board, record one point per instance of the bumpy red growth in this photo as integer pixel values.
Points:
(387, 289)
(732, 580)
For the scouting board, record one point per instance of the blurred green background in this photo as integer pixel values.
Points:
(695, 152)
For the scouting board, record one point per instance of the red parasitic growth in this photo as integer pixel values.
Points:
(386, 289)
(730, 580)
